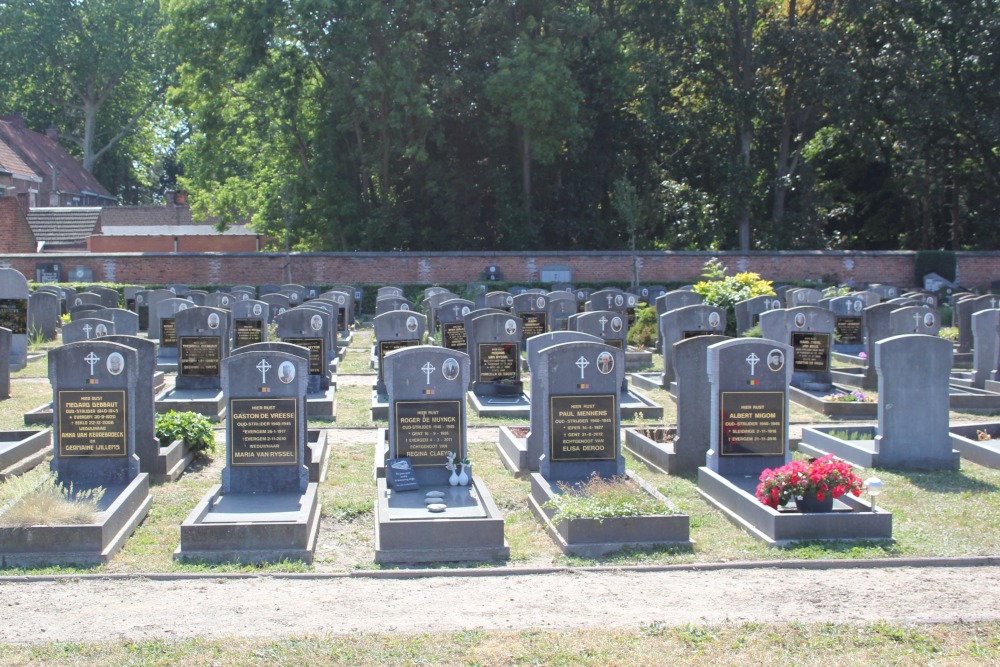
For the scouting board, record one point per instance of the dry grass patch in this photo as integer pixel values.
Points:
(38, 500)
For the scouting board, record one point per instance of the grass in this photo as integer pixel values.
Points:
(934, 514)
(599, 499)
(36, 499)
(848, 645)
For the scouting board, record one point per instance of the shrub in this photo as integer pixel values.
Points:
(643, 332)
(194, 429)
(725, 291)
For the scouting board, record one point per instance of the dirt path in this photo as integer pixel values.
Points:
(103, 609)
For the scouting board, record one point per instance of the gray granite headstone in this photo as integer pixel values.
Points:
(5, 337)
(126, 322)
(580, 413)
(222, 300)
(499, 301)
(87, 328)
(163, 320)
(431, 305)
(202, 345)
(109, 297)
(196, 296)
(265, 423)
(250, 319)
(810, 333)
(532, 308)
(396, 329)
(535, 440)
(147, 447)
(803, 296)
(94, 408)
(986, 348)
(451, 316)
(86, 310)
(611, 299)
(849, 325)
(749, 407)
(885, 292)
(14, 315)
(676, 299)
(86, 299)
(278, 304)
(345, 309)
(494, 345)
(426, 395)
(562, 304)
(44, 309)
(914, 320)
(772, 324)
(687, 322)
(876, 328)
(748, 311)
(152, 298)
(913, 402)
(388, 290)
(387, 304)
(609, 326)
(964, 310)
(311, 329)
(694, 401)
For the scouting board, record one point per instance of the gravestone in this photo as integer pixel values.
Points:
(267, 288)
(196, 296)
(964, 310)
(278, 304)
(772, 324)
(687, 322)
(86, 310)
(396, 329)
(582, 296)
(803, 296)
(694, 402)
(202, 345)
(44, 308)
(532, 308)
(914, 320)
(152, 298)
(126, 322)
(250, 319)
(913, 376)
(876, 328)
(109, 297)
(611, 299)
(431, 305)
(748, 311)
(86, 299)
(296, 293)
(607, 325)
(986, 347)
(14, 315)
(129, 293)
(388, 290)
(162, 320)
(311, 329)
(561, 305)
(499, 301)
(676, 299)
(494, 344)
(345, 313)
(5, 341)
(810, 334)
(749, 406)
(648, 294)
(451, 316)
(87, 328)
(578, 403)
(387, 304)
(222, 300)
(849, 323)
(885, 292)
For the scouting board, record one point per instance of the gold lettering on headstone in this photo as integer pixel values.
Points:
(92, 423)
(752, 423)
(263, 432)
(427, 430)
(583, 428)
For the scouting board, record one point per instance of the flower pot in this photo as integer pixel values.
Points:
(811, 504)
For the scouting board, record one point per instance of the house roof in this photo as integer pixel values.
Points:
(174, 230)
(11, 162)
(63, 226)
(44, 154)
(160, 221)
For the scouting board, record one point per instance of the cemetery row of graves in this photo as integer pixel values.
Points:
(513, 427)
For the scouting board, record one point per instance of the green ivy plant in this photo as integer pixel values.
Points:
(194, 429)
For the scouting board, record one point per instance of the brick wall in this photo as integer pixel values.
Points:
(165, 244)
(15, 234)
(975, 268)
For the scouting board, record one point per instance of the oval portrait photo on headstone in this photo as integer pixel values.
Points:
(286, 371)
(605, 362)
(929, 320)
(775, 360)
(616, 324)
(257, 310)
(510, 301)
(619, 301)
(449, 369)
(510, 327)
(182, 306)
(465, 311)
(540, 302)
(225, 301)
(411, 324)
(213, 321)
(800, 320)
(714, 320)
(316, 322)
(115, 363)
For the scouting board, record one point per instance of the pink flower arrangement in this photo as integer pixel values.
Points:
(808, 477)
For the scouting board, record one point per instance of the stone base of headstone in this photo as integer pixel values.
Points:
(634, 403)
(590, 537)
(171, 462)
(344, 339)
(513, 407)
(851, 519)
(380, 406)
(850, 358)
(122, 510)
(251, 528)
(470, 529)
(647, 380)
(860, 448)
(962, 360)
(635, 360)
(159, 381)
(512, 446)
(322, 405)
(816, 401)
(318, 454)
(40, 416)
(978, 443)
(381, 453)
(657, 453)
(21, 451)
(166, 365)
(970, 399)
(849, 377)
(207, 402)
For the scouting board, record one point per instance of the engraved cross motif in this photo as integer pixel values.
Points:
(263, 367)
(916, 321)
(582, 363)
(91, 359)
(87, 329)
(993, 303)
(428, 368)
(753, 360)
(603, 321)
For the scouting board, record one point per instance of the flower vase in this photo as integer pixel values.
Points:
(453, 480)
(463, 477)
(810, 503)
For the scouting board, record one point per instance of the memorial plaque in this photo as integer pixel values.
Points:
(497, 361)
(48, 272)
(199, 355)
(14, 315)
(168, 332)
(453, 336)
(247, 332)
(850, 330)
(532, 324)
(427, 430)
(811, 351)
(584, 428)
(92, 423)
(401, 476)
(615, 342)
(752, 423)
(317, 353)
(263, 431)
